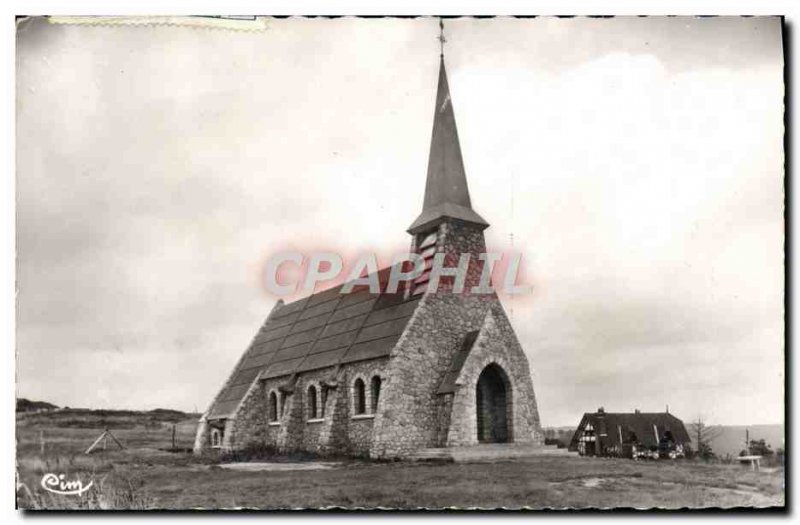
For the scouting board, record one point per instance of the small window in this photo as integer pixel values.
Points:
(273, 407)
(312, 402)
(375, 390)
(359, 397)
(216, 438)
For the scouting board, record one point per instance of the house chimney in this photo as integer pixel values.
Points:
(601, 410)
(637, 411)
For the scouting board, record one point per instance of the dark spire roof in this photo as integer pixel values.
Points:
(446, 192)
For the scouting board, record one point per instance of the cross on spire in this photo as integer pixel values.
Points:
(441, 37)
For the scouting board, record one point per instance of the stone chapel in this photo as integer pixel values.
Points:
(386, 375)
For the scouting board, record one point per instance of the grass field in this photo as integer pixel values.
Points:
(147, 476)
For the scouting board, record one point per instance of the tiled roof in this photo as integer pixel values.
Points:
(325, 329)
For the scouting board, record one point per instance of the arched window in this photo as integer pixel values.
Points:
(273, 407)
(216, 438)
(375, 390)
(359, 397)
(312, 402)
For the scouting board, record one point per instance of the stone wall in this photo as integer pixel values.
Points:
(339, 431)
(293, 431)
(355, 432)
(249, 424)
(413, 418)
(496, 344)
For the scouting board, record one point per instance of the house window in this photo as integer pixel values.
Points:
(312, 402)
(359, 397)
(588, 433)
(273, 407)
(375, 390)
(216, 438)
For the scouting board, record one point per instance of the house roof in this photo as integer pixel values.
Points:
(325, 329)
(607, 426)
(446, 191)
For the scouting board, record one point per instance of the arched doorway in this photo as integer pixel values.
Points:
(492, 395)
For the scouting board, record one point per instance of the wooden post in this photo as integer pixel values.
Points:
(747, 441)
(96, 442)
(109, 434)
(104, 438)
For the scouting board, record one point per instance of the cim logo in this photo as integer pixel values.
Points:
(57, 484)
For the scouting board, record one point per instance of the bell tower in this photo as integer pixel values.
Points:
(447, 223)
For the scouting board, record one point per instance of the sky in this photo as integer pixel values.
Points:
(635, 163)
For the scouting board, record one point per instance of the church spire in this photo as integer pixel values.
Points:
(446, 192)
